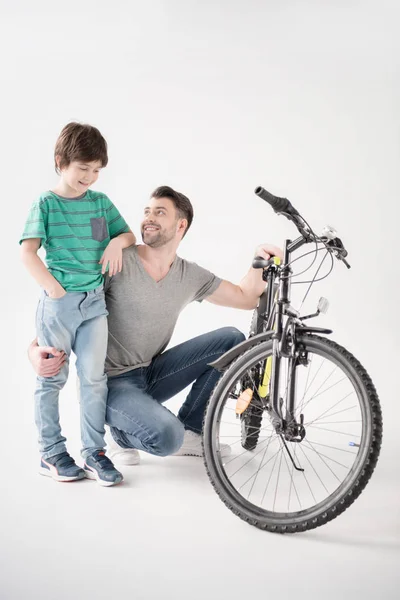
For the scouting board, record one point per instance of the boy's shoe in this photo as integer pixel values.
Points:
(98, 466)
(61, 467)
(192, 446)
(121, 456)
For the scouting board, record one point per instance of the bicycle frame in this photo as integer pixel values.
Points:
(273, 307)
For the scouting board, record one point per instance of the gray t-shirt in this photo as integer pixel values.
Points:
(143, 313)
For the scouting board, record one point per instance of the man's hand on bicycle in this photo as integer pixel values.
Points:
(268, 250)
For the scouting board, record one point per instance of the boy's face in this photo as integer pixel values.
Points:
(80, 175)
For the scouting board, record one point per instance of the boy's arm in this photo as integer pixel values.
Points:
(37, 268)
(125, 239)
(121, 237)
(112, 255)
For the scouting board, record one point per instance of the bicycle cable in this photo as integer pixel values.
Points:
(314, 280)
(320, 278)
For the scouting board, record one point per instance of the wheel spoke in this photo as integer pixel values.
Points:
(335, 413)
(333, 447)
(336, 404)
(350, 435)
(313, 468)
(260, 467)
(272, 470)
(292, 482)
(254, 480)
(320, 455)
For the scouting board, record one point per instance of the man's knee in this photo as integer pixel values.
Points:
(168, 438)
(232, 337)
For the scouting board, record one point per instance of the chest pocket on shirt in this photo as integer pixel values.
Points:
(99, 229)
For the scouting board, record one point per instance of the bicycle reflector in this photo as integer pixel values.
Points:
(323, 305)
(243, 401)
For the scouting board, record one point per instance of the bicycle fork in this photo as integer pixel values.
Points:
(284, 422)
(285, 425)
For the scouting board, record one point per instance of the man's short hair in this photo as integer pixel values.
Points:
(182, 204)
(81, 142)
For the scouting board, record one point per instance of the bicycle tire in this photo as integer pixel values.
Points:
(251, 421)
(359, 475)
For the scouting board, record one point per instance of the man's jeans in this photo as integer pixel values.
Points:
(134, 407)
(76, 322)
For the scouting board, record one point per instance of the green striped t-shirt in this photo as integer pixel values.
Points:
(74, 232)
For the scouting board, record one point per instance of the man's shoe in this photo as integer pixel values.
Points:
(98, 466)
(61, 467)
(192, 446)
(121, 456)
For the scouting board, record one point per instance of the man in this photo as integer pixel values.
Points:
(144, 302)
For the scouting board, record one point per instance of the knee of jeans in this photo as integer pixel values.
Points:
(232, 336)
(55, 383)
(90, 376)
(169, 437)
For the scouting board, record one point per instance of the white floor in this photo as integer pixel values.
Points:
(164, 533)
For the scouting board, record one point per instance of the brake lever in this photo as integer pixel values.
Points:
(345, 262)
(338, 249)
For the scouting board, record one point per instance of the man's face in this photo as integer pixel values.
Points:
(161, 223)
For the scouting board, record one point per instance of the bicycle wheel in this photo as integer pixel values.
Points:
(343, 424)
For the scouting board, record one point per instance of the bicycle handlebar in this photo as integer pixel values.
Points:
(280, 205)
(283, 206)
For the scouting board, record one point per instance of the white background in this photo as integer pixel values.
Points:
(214, 99)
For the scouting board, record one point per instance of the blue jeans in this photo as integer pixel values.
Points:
(134, 407)
(76, 322)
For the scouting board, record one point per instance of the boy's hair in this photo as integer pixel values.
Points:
(182, 204)
(80, 142)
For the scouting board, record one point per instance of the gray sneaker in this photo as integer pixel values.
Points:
(61, 467)
(98, 466)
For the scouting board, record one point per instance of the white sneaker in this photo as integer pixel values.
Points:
(121, 456)
(191, 446)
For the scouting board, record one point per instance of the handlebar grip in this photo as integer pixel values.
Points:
(261, 263)
(278, 204)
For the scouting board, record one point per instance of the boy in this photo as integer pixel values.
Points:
(83, 235)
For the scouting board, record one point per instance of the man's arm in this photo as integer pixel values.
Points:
(43, 366)
(246, 294)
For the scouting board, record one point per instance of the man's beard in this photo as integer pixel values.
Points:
(156, 241)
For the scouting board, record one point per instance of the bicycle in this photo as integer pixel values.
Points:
(299, 411)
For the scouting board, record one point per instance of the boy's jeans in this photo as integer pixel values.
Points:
(77, 322)
(135, 410)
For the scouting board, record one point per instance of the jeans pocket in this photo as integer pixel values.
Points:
(99, 229)
(47, 297)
